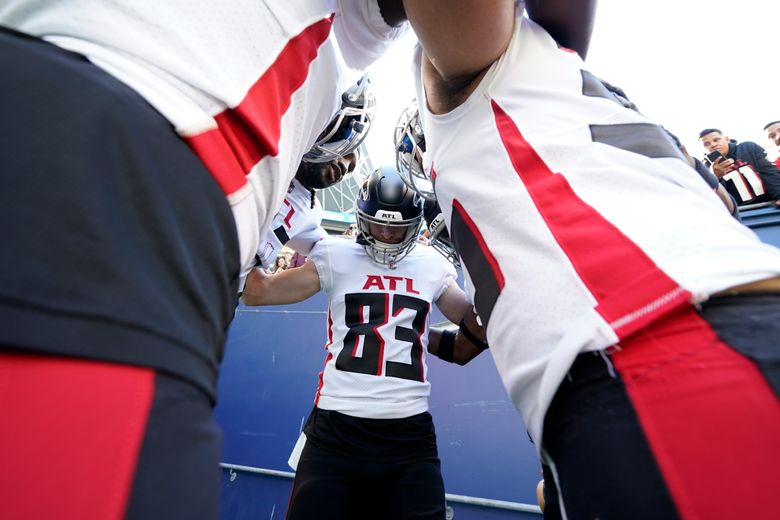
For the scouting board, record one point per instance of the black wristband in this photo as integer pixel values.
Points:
(482, 345)
(446, 350)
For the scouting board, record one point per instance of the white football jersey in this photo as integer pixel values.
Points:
(249, 84)
(577, 219)
(297, 225)
(378, 321)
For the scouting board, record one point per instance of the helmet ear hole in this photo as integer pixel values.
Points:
(385, 200)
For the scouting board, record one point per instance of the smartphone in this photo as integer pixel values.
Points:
(714, 155)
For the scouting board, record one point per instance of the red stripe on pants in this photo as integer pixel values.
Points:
(70, 435)
(712, 421)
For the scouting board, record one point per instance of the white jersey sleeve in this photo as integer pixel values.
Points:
(297, 225)
(449, 275)
(320, 256)
(362, 33)
(304, 241)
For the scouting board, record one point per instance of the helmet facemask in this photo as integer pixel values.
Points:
(348, 128)
(385, 200)
(386, 253)
(409, 142)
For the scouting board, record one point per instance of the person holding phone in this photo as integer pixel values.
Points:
(742, 168)
(773, 134)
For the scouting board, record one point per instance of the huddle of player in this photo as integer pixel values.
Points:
(633, 321)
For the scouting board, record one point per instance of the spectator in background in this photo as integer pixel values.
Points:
(351, 231)
(296, 260)
(773, 133)
(742, 167)
(281, 264)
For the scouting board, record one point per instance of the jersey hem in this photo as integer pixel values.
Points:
(100, 339)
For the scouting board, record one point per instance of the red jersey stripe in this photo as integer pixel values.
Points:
(251, 131)
(630, 289)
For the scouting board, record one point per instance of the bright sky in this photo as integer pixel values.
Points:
(687, 64)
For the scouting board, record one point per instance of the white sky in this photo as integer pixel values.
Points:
(687, 64)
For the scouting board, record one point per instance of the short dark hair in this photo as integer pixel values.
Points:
(709, 131)
(770, 124)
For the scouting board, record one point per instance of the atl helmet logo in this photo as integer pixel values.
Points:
(388, 215)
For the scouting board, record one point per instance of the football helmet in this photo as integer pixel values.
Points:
(385, 200)
(409, 142)
(440, 237)
(347, 129)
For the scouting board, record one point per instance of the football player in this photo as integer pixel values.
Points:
(334, 156)
(409, 141)
(633, 321)
(150, 144)
(371, 448)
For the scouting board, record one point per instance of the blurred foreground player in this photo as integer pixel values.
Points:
(632, 320)
(145, 145)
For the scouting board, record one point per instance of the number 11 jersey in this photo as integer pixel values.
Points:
(378, 321)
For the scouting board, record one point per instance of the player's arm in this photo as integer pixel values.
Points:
(461, 38)
(570, 22)
(468, 341)
(289, 286)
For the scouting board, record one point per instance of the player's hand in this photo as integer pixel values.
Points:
(722, 166)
